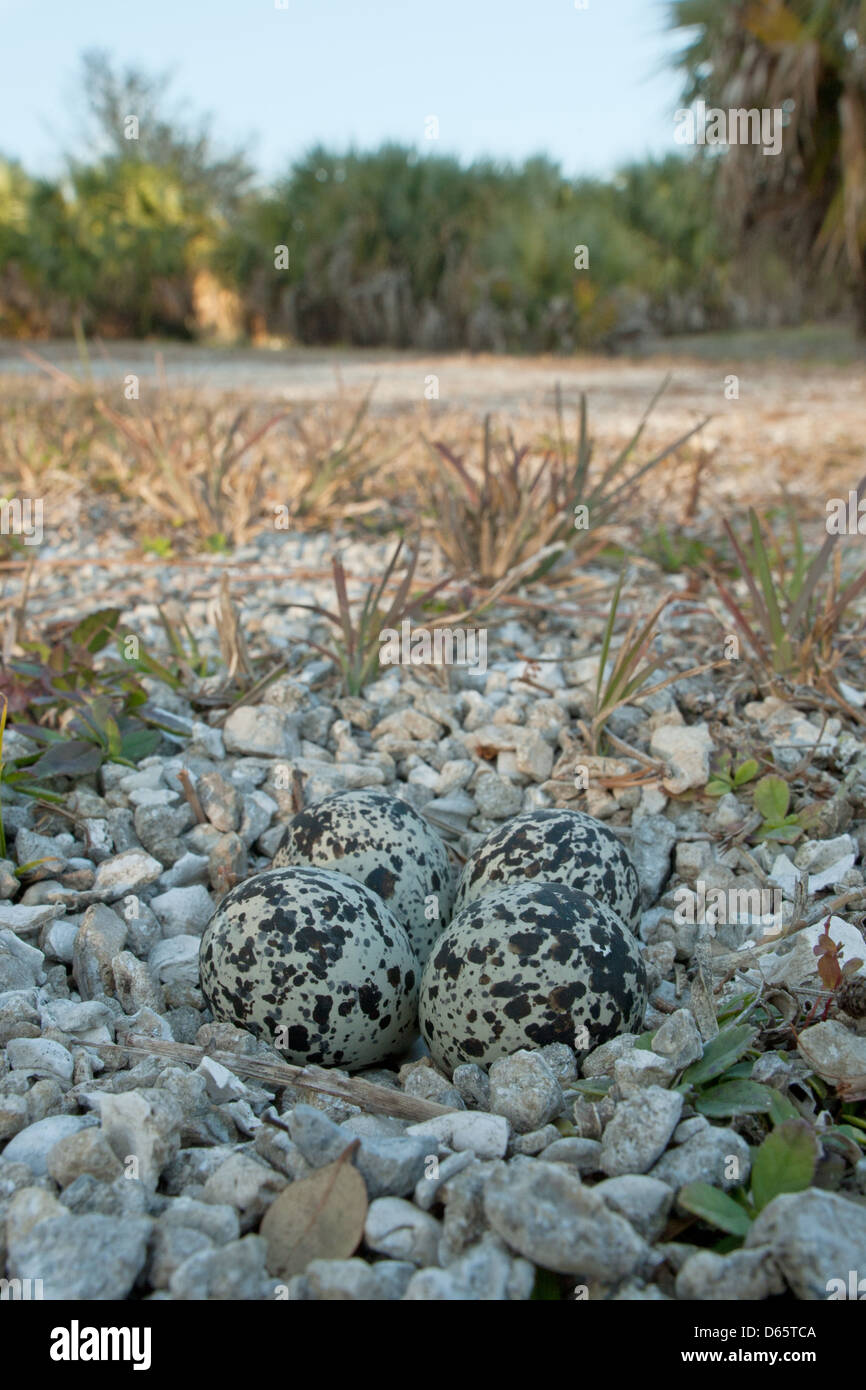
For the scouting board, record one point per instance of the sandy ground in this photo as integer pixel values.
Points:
(794, 424)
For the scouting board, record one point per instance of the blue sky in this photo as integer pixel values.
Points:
(507, 78)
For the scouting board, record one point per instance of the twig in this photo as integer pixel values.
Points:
(379, 1100)
(191, 795)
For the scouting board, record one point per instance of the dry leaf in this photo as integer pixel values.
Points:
(316, 1218)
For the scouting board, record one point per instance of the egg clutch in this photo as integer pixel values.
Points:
(357, 937)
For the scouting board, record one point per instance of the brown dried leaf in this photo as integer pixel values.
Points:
(316, 1218)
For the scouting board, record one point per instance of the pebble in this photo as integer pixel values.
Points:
(743, 1274)
(815, 1237)
(714, 1154)
(679, 1040)
(184, 911)
(398, 1229)
(143, 1126)
(639, 1131)
(125, 873)
(82, 1257)
(484, 1135)
(644, 1201)
(33, 1144)
(639, 1068)
(524, 1090)
(262, 730)
(544, 1212)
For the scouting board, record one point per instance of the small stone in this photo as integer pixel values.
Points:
(639, 1131)
(544, 1212)
(101, 936)
(742, 1274)
(228, 1273)
(686, 749)
(222, 1084)
(82, 1257)
(535, 1140)
(473, 1084)
(184, 911)
(221, 802)
(561, 1060)
(653, 838)
(582, 1154)
(19, 918)
(133, 984)
(84, 1152)
(600, 1061)
(21, 966)
(496, 797)
(245, 1182)
(33, 1144)
(639, 1068)
(143, 1125)
(485, 1135)
(816, 1238)
(27, 1207)
(13, 1116)
(228, 863)
(125, 873)
(715, 1155)
(398, 1229)
(679, 1040)
(170, 1247)
(218, 1221)
(40, 1057)
(427, 1189)
(524, 1090)
(262, 729)
(643, 1201)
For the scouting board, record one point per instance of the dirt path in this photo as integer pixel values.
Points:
(792, 422)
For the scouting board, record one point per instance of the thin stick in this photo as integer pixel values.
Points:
(379, 1100)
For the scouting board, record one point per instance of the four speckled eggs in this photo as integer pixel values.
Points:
(323, 953)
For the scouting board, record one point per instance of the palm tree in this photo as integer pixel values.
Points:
(807, 57)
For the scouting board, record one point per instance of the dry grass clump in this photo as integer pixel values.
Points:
(495, 513)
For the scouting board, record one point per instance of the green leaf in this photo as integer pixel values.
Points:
(715, 1207)
(720, 1053)
(785, 1162)
(745, 772)
(782, 1108)
(75, 758)
(735, 1098)
(772, 798)
(592, 1085)
(645, 1042)
(96, 630)
(716, 787)
(139, 743)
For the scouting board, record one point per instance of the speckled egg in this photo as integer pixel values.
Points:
(555, 846)
(382, 842)
(314, 963)
(532, 964)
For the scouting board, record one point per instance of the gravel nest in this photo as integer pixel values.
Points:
(125, 1175)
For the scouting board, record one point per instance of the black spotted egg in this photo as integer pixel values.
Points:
(554, 846)
(532, 964)
(315, 964)
(380, 841)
